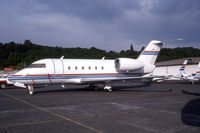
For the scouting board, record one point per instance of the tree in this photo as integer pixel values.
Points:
(27, 42)
(131, 48)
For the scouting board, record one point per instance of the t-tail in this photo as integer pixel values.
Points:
(181, 73)
(150, 53)
(198, 72)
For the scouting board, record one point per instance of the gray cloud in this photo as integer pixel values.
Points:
(110, 25)
(97, 10)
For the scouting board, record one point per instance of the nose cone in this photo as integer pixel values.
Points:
(16, 77)
(12, 78)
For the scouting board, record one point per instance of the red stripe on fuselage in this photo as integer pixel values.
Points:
(76, 74)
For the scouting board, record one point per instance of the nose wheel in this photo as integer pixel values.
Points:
(30, 89)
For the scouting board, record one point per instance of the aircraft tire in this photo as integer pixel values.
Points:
(3, 86)
(109, 90)
(96, 88)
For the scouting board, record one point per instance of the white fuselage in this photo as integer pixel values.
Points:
(73, 71)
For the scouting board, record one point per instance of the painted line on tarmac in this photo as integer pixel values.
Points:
(32, 123)
(55, 114)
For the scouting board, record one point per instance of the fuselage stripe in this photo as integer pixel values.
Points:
(75, 74)
(150, 52)
(60, 76)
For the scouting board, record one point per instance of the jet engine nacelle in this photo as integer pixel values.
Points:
(128, 64)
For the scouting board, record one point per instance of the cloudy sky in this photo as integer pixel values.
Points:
(105, 24)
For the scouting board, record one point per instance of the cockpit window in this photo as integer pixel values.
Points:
(37, 66)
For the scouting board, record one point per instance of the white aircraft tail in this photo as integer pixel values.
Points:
(198, 72)
(150, 53)
(182, 68)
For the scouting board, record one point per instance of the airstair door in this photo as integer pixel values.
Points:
(58, 70)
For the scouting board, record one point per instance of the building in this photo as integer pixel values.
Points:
(172, 67)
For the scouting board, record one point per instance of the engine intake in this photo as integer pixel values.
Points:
(128, 64)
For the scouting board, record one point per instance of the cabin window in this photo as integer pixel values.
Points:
(76, 68)
(82, 67)
(36, 66)
(69, 68)
(102, 67)
(95, 67)
(89, 68)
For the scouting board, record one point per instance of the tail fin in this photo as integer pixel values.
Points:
(182, 68)
(150, 53)
(198, 72)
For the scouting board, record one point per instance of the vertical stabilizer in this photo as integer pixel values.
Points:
(150, 53)
(198, 72)
(182, 68)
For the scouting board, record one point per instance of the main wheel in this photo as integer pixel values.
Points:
(109, 90)
(3, 86)
(96, 88)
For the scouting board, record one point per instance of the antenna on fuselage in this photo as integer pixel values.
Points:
(62, 57)
(103, 58)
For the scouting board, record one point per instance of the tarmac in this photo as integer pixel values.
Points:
(169, 107)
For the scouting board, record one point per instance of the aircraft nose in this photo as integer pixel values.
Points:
(11, 78)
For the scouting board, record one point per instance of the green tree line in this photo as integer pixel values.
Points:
(19, 55)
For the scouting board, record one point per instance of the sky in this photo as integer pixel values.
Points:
(105, 24)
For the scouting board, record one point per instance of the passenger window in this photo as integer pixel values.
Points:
(76, 68)
(102, 67)
(69, 68)
(89, 68)
(82, 68)
(95, 67)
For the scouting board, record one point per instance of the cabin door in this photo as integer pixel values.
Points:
(58, 70)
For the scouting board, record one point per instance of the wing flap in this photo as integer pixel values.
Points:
(104, 80)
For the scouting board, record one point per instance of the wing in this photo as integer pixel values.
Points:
(105, 80)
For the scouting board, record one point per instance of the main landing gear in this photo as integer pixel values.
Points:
(108, 88)
(30, 89)
(94, 87)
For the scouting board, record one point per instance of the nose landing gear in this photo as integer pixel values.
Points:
(30, 89)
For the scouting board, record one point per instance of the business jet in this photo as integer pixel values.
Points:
(88, 71)
(181, 73)
(178, 76)
(194, 77)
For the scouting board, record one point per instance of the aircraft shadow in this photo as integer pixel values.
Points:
(190, 114)
(138, 88)
(190, 93)
(115, 88)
